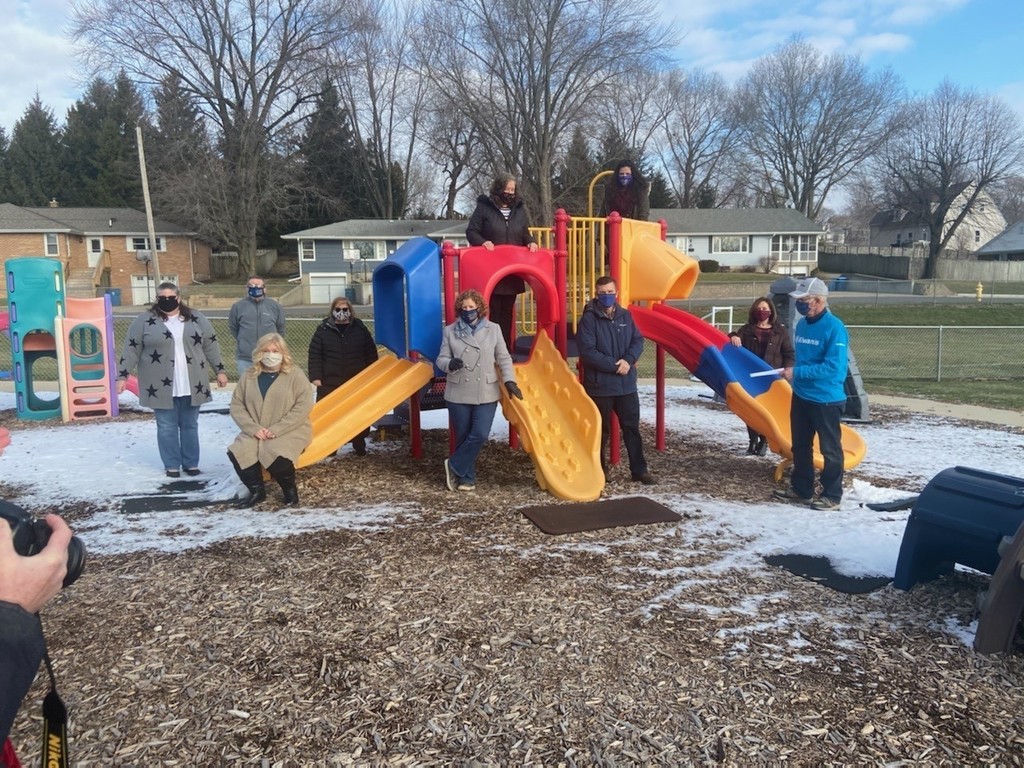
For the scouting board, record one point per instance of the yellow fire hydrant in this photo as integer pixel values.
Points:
(979, 291)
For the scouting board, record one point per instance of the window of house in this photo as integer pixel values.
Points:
(52, 246)
(977, 236)
(307, 250)
(142, 244)
(730, 244)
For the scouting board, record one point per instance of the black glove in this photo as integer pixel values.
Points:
(454, 364)
(513, 389)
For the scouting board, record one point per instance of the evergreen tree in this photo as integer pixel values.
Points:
(660, 194)
(5, 173)
(571, 184)
(34, 157)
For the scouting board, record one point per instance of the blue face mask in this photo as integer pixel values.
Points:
(606, 299)
(625, 180)
(802, 307)
(469, 316)
(256, 291)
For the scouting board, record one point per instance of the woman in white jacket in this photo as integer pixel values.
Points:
(474, 354)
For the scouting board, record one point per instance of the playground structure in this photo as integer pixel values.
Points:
(557, 422)
(73, 337)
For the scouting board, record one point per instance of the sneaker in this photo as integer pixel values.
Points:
(466, 487)
(449, 476)
(173, 473)
(788, 494)
(823, 504)
(193, 471)
(645, 479)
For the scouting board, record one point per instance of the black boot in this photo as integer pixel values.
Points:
(253, 479)
(283, 471)
(752, 437)
(359, 445)
(762, 446)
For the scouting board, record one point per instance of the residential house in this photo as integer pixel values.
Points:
(338, 259)
(104, 248)
(903, 225)
(782, 240)
(1007, 246)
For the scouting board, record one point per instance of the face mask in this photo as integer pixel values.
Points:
(606, 299)
(167, 303)
(624, 180)
(272, 359)
(762, 314)
(342, 314)
(802, 307)
(256, 291)
(507, 197)
(469, 316)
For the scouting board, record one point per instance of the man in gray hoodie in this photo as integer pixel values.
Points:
(252, 317)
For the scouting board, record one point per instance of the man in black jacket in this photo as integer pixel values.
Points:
(500, 219)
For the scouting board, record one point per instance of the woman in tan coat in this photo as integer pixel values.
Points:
(271, 406)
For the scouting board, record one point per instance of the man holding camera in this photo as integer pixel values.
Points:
(26, 585)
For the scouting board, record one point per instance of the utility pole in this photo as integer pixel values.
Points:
(149, 208)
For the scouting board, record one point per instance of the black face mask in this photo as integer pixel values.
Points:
(167, 303)
(507, 197)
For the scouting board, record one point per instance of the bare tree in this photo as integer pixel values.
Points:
(453, 142)
(809, 120)
(251, 65)
(524, 72)
(697, 134)
(1009, 196)
(955, 144)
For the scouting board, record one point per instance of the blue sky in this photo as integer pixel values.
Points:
(975, 43)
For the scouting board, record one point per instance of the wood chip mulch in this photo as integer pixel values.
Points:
(461, 634)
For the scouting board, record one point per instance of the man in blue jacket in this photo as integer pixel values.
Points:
(819, 398)
(610, 345)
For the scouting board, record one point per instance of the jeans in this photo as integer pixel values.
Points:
(177, 434)
(627, 408)
(243, 366)
(805, 420)
(472, 426)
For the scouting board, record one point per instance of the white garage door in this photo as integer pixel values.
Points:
(325, 287)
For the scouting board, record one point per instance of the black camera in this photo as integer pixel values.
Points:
(30, 535)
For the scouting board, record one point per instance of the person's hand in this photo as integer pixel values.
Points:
(736, 341)
(32, 581)
(264, 434)
(513, 389)
(121, 385)
(622, 367)
(533, 247)
(5, 439)
(455, 364)
(787, 374)
(488, 245)
(315, 382)
(222, 380)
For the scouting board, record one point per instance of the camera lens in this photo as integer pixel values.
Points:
(76, 561)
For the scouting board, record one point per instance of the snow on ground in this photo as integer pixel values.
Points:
(99, 463)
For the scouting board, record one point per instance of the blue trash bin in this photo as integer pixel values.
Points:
(840, 283)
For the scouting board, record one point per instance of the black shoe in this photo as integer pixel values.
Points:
(291, 495)
(645, 479)
(762, 447)
(173, 473)
(256, 495)
(359, 445)
(193, 471)
(788, 494)
(752, 447)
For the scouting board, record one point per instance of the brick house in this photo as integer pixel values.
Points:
(103, 248)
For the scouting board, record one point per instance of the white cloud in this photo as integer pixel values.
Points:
(886, 42)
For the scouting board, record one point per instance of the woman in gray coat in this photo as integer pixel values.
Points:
(175, 350)
(474, 354)
(271, 405)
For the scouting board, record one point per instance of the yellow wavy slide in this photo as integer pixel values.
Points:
(360, 401)
(559, 426)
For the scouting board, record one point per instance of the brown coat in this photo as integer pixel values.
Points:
(779, 353)
(285, 412)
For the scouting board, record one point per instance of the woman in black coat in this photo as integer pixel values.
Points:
(341, 347)
(769, 339)
(500, 219)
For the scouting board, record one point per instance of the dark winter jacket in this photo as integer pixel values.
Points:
(337, 352)
(488, 223)
(779, 352)
(603, 341)
(632, 202)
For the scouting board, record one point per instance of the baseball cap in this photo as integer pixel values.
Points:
(809, 286)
